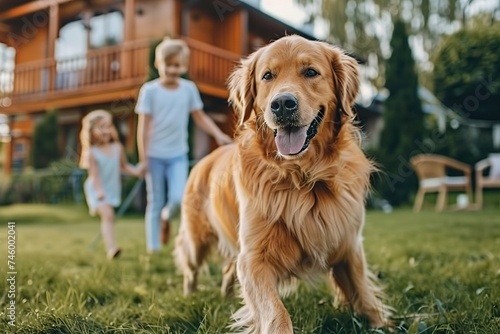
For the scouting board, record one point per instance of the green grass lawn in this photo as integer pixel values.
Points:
(441, 273)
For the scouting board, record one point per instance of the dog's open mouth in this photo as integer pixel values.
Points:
(292, 140)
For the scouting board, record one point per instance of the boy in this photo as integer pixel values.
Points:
(164, 106)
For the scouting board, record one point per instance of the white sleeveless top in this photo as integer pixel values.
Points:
(108, 166)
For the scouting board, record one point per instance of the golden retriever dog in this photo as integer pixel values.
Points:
(287, 200)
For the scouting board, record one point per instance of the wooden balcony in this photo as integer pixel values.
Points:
(104, 75)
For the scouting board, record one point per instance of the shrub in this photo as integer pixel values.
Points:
(45, 141)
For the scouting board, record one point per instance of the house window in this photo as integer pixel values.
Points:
(106, 30)
(19, 154)
(7, 63)
(19, 148)
(76, 63)
(72, 41)
(85, 33)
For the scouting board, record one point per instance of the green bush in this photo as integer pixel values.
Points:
(45, 141)
(467, 68)
(466, 73)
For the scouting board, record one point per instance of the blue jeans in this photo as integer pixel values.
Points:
(175, 172)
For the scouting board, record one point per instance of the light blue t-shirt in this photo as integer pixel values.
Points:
(169, 110)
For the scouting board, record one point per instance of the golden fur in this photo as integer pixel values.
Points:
(280, 216)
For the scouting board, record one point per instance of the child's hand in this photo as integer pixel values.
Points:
(223, 139)
(143, 165)
(144, 169)
(100, 195)
(141, 170)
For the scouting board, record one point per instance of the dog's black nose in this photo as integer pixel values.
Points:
(284, 106)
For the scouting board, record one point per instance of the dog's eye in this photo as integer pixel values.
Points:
(311, 73)
(267, 76)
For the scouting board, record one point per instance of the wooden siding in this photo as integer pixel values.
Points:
(202, 26)
(233, 29)
(156, 19)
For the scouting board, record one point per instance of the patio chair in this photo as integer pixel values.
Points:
(492, 180)
(431, 170)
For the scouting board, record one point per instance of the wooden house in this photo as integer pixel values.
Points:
(74, 56)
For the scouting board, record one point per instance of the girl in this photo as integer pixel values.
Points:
(104, 157)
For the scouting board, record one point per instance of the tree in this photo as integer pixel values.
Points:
(465, 78)
(152, 70)
(46, 141)
(363, 26)
(467, 72)
(403, 130)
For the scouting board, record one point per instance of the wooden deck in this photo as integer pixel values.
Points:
(104, 75)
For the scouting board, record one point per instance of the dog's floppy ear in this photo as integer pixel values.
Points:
(241, 84)
(348, 83)
(345, 80)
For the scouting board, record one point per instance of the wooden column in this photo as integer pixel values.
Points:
(7, 167)
(185, 20)
(178, 19)
(128, 38)
(129, 20)
(51, 43)
(244, 31)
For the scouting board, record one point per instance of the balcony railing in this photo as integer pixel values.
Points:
(115, 67)
(210, 65)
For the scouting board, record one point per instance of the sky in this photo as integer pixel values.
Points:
(293, 15)
(288, 11)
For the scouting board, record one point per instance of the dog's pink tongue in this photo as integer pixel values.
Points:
(290, 141)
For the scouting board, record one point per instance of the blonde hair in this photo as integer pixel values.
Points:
(169, 47)
(86, 138)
